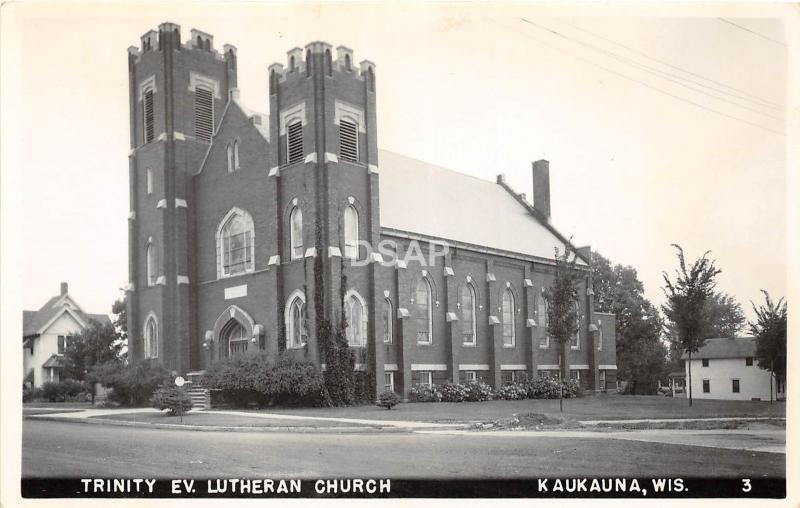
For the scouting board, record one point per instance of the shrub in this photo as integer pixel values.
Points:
(425, 393)
(572, 389)
(453, 392)
(131, 385)
(169, 396)
(74, 390)
(478, 391)
(259, 380)
(388, 399)
(550, 388)
(513, 391)
(53, 392)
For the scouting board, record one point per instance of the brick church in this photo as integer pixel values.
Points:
(232, 210)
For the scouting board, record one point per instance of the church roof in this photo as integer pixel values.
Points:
(422, 198)
(740, 347)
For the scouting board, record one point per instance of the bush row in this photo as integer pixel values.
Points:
(63, 391)
(259, 380)
(474, 391)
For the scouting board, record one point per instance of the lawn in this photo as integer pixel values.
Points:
(211, 419)
(601, 407)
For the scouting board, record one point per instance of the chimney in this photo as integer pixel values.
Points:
(64, 288)
(541, 187)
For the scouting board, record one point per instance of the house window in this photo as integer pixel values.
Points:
(748, 361)
(705, 362)
(294, 142)
(425, 378)
(470, 375)
(509, 328)
(296, 232)
(541, 310)
(62, 344)
(388, 381)
(348, 140)
(468, 314)
(602, 380)
(575, 374)
(148, 114)
(296, 327)
(350, 232)
(706, 386)
(356, 320)
(735, 385)
(574, 341)
(424, 312)
(151, 338)
(235, 337)
(149, 181)
(150, 260)
(203, 113)
(388, 321)
(235, 155)
(235, 243)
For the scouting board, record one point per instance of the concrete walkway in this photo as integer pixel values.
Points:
(769, 441)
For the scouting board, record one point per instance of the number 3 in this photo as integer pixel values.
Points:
(746, 487)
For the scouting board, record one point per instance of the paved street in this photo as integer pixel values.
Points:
(52, 449)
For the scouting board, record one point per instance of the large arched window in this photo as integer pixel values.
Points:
(235, 239)
(235, 337)
(423, 296)
(509, 328)
(350, 232)
(574, 341)
(150, 260)
(388, 321)
(296, 232)
(468, 313)
(356, 316)
(296, 330)
(151, 337)
(541, 314)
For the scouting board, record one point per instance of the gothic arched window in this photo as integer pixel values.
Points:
(541, 311)
(236, 155)
(574, 341)
(235, 243)
(150, 260)
(296, 331)
(423, 296)
(509, 328)
(151, 338)
(235, 336)
(388, 321)
(296, 233)
(356, 317)
(229, 152)
(468, 313)
(350, 232)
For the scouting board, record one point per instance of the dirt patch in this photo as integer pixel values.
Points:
(691, 425)
(529, 421)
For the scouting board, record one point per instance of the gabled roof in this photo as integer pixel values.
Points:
(422, 198)
(34, 321)
(740, 347)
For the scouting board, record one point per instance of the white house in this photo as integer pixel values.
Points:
(726, 369)
(45, 335)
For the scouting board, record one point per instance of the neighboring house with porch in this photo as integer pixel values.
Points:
(46, 333)
(726, 369)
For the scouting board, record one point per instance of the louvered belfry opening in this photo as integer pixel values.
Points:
(203, 113)
(294, 142)
(149, 118)
(348, 140)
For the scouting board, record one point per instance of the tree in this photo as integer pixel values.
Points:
(685, 308)
(724, 316)
(641, 356)
(97, 343)
(769, 329)
(120, 310)
(561, 297)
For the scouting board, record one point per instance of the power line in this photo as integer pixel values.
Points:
(740, 27)
(755, 98)
(701, 106)
(662, 74)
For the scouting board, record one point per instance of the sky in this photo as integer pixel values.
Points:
(660, 127)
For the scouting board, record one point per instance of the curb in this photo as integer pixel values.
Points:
(221, 428)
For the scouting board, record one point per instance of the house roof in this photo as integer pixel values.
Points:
(422, 198)
(677, 373)
(740, 347)
(54, 362)
(34, 320)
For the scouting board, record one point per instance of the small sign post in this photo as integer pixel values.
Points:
(179, 382)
